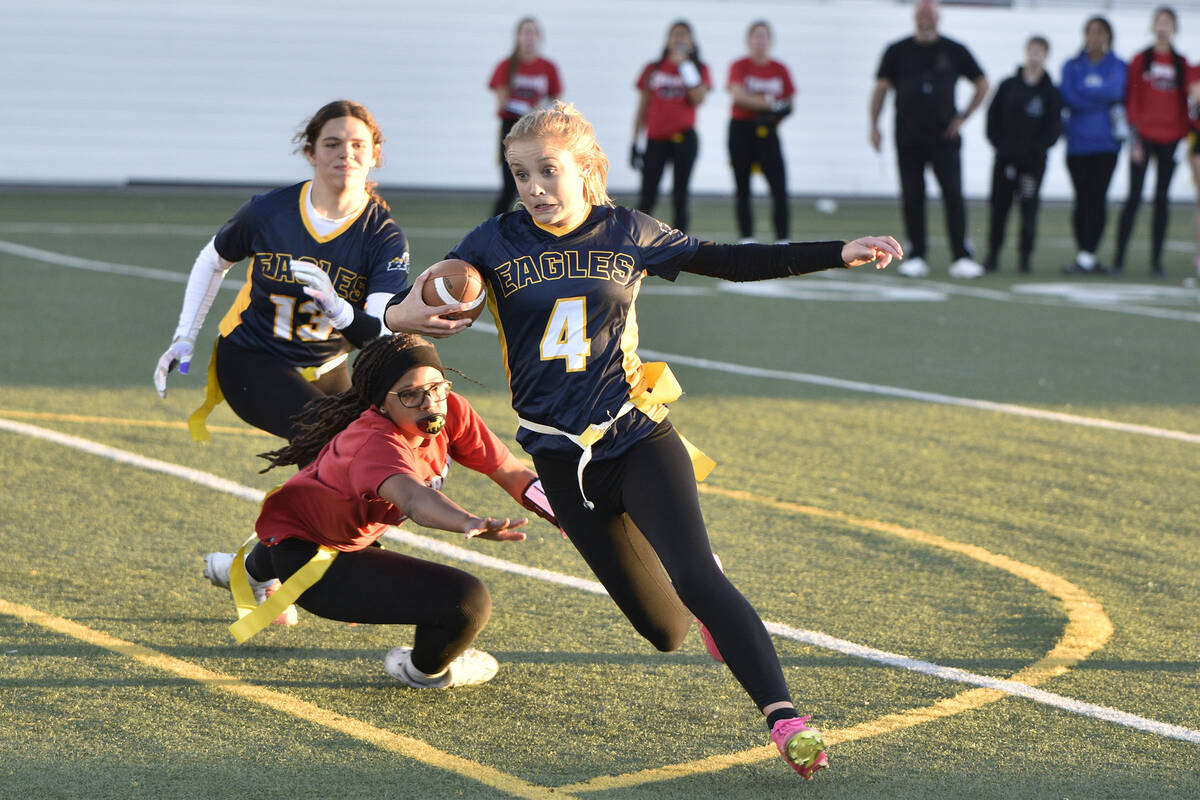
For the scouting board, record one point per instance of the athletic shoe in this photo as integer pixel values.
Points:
(915, 267)
(800, 746)
(966, 269)
(709, 643)
(471, 667)
(216, 569)
(747, 240)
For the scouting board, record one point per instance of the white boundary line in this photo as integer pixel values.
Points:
(814, 638)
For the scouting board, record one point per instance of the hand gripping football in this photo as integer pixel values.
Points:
(455, 281)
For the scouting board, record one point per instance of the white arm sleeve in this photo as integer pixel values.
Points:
(376, 305)
(202, 286)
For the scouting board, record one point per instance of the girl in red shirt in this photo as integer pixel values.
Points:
(762, 96)
(522, 82)
(377, 454)
(670, 88)
(1156, 103)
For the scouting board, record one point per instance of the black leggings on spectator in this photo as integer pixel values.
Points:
(1163, 155)
(751, 143)
(681, 151)
(1090, 175)
(375, 586)
(646, 542)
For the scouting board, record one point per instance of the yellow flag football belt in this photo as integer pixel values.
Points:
(657, 387)
(253, 617)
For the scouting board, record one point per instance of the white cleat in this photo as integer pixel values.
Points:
(471, 667)
(966, 269)
(913, 268)
(216, 569)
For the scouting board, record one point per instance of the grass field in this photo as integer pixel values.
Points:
(993, 482)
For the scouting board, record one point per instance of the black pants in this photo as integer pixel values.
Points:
(267, 392)
(1163, 155)
(1024, 181)
(646, 542)
(681, 151)
(945, 159)
(1090, 175)
(751, 143)
(508, 186)
(372, 585)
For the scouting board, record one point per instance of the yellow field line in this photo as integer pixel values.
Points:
(139, 423)
(1088, 628)
(387, 740)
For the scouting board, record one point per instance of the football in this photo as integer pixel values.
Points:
(455, 281)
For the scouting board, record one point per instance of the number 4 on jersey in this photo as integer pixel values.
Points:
(566, 334)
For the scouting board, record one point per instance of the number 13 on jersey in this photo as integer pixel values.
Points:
(566, 334)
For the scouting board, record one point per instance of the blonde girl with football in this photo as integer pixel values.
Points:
(563, 273)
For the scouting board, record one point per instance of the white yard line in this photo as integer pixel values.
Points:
(813, 638)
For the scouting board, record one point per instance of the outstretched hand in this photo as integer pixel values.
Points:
(500, 530)
(880, 249)
(412, 315)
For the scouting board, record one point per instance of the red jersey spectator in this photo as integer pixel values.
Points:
(762, 96)
(670, 89)
(522, 82)
(1156, 105)
(1193, 81)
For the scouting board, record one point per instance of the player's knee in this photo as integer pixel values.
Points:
(474, 606)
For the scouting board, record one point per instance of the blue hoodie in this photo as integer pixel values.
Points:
(1089, 91)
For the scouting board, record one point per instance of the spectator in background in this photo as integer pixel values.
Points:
(1156, 101)
(762, 96)
(522, 82)
(670, 89)
(1023, 121)
(1093, 91)
(1194, 149)
(924, 69)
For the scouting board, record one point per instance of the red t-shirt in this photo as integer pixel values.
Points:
(334, 501)
(668, 111)
(1154, 101)
(533, 82)
(771, 79)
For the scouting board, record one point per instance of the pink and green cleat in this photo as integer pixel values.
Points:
(800, 746)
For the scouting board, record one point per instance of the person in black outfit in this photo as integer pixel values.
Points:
(923, 69)
(1023, 121)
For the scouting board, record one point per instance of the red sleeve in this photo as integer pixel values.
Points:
(377, 459)
(499, 76)
(789, 89)
(737, 73)
(1134, 90)
(556, 87)
(472, 443)
(643, 80)
(704, 77)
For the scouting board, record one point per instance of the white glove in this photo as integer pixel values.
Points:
(318, 286)
(179, 354)
(690, 74)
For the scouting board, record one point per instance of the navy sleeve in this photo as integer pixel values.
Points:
(234, 241)
(663, 249)
(388, 270)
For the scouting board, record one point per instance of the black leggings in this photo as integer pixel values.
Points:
(646, 542)
(508, 186)
(681, 150)
(1023, 180)
(1163, 155)
(946, 160)
(1090, 175)
(372, 585)
(752, 143)
(267, 392)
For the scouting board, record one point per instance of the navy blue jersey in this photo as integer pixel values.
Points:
(367, 254)
(565, 309)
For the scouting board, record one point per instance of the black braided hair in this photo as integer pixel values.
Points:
(325, 417)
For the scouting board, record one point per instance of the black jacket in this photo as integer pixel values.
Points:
(1024, 121)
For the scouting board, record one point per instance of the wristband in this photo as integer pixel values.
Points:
(690, 74)
(534, 499)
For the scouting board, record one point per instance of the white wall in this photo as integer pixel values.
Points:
(212, 90)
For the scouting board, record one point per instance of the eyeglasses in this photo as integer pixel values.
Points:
(414, 397)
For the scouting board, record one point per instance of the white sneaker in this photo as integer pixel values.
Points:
(747, 240)
(473, 666)
(966, 269)
(913, 268)
(216, 569)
